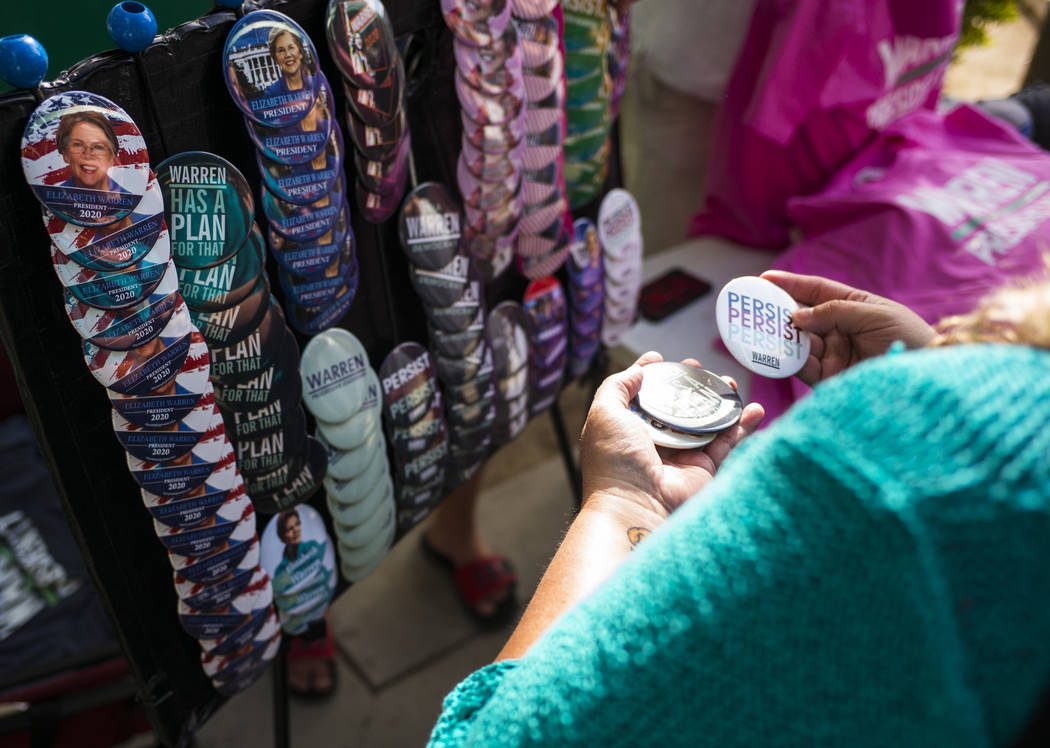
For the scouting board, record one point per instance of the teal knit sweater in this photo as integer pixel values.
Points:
(872, 570)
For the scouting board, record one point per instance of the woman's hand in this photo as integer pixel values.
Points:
(846, 325)
(621, 463)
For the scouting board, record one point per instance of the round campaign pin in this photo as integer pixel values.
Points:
(214, 566)
(508, 337)
(540, 185)
(583, 62)
(477, 23)
(462, 312)
(496, 62)
(589, 116)
(415, 438)
(754, 320)
(171, 403)
(183, 475)
(460, 343)
(375, 524)
(543, 243)
(491, 167)
(292, 483)
(532, 9)
(482, 195)
(313, 321)
(493, 138)
(233, 324)
(208, 207)
(265, 453)
(374, 207)
(586, 145)
(376, 143)
(547, 264)
(117, 245)
(585, 253)
(535, 219)
(307, 182)
(538, 38)
(513, 384)
(237, 671)
(235, 520)
(377, 550)
(360, 486)
(218, 595)
(407, 376)
(619, 222)
(304, 223)
(121, 329)
(541, 116)
(221, 286)
(334, 369)
(429, 226)
(666, 436)
(543, 149)
(270, 66)
(200, 504)
(543, 80)
(498, 221)
(292, 550)
(223, 621)
(458, 371)
(320, 288)
(544, 304)
(168, 443)
(268, 376)
(484, 109)
(113, 289)
(260, 627)
(361, 41)
(688, 398)
(301, 141)
(442, 286)
(385, 177)
(85, 159)
(349, 516)
(344, 464)
(311, 255)
(352, 432)
(427, 465)
(380, 105)
(147, 367)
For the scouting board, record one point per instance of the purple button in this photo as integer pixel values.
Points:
(477, 22)
(361, 41)
(378, 106)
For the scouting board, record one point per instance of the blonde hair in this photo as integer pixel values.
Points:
(1016, 314)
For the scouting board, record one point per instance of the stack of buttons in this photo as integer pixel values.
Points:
(586, 274)
(361, 41)
(300, 559)
(507, 331)
(619, 51)
(543, 236)
(620, 234)
(287, 105)
(451, 290)
(219, 252)
(415, 425)
(104, 210)
(341, 390)
(547, 313)
(491, 93)
(683, 406)
(588, 98)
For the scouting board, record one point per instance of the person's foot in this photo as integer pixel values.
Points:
(311, 666)
(485, 580)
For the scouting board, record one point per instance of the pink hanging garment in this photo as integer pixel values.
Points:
(814, 81)
(935, 213)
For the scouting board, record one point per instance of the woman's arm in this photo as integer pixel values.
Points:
(630, 487)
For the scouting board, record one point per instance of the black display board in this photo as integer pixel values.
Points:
(175, 92)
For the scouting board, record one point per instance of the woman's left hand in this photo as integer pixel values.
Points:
(621, 463)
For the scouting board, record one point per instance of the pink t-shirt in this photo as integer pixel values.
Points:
(936, 212)
(814, 81)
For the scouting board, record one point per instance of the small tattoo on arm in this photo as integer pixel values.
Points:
(635, 535)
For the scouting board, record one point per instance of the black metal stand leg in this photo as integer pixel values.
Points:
(281, 735)
(566, 453)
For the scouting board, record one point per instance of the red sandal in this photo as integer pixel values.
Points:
(478, 581)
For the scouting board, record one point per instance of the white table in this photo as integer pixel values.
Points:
(691, 331)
